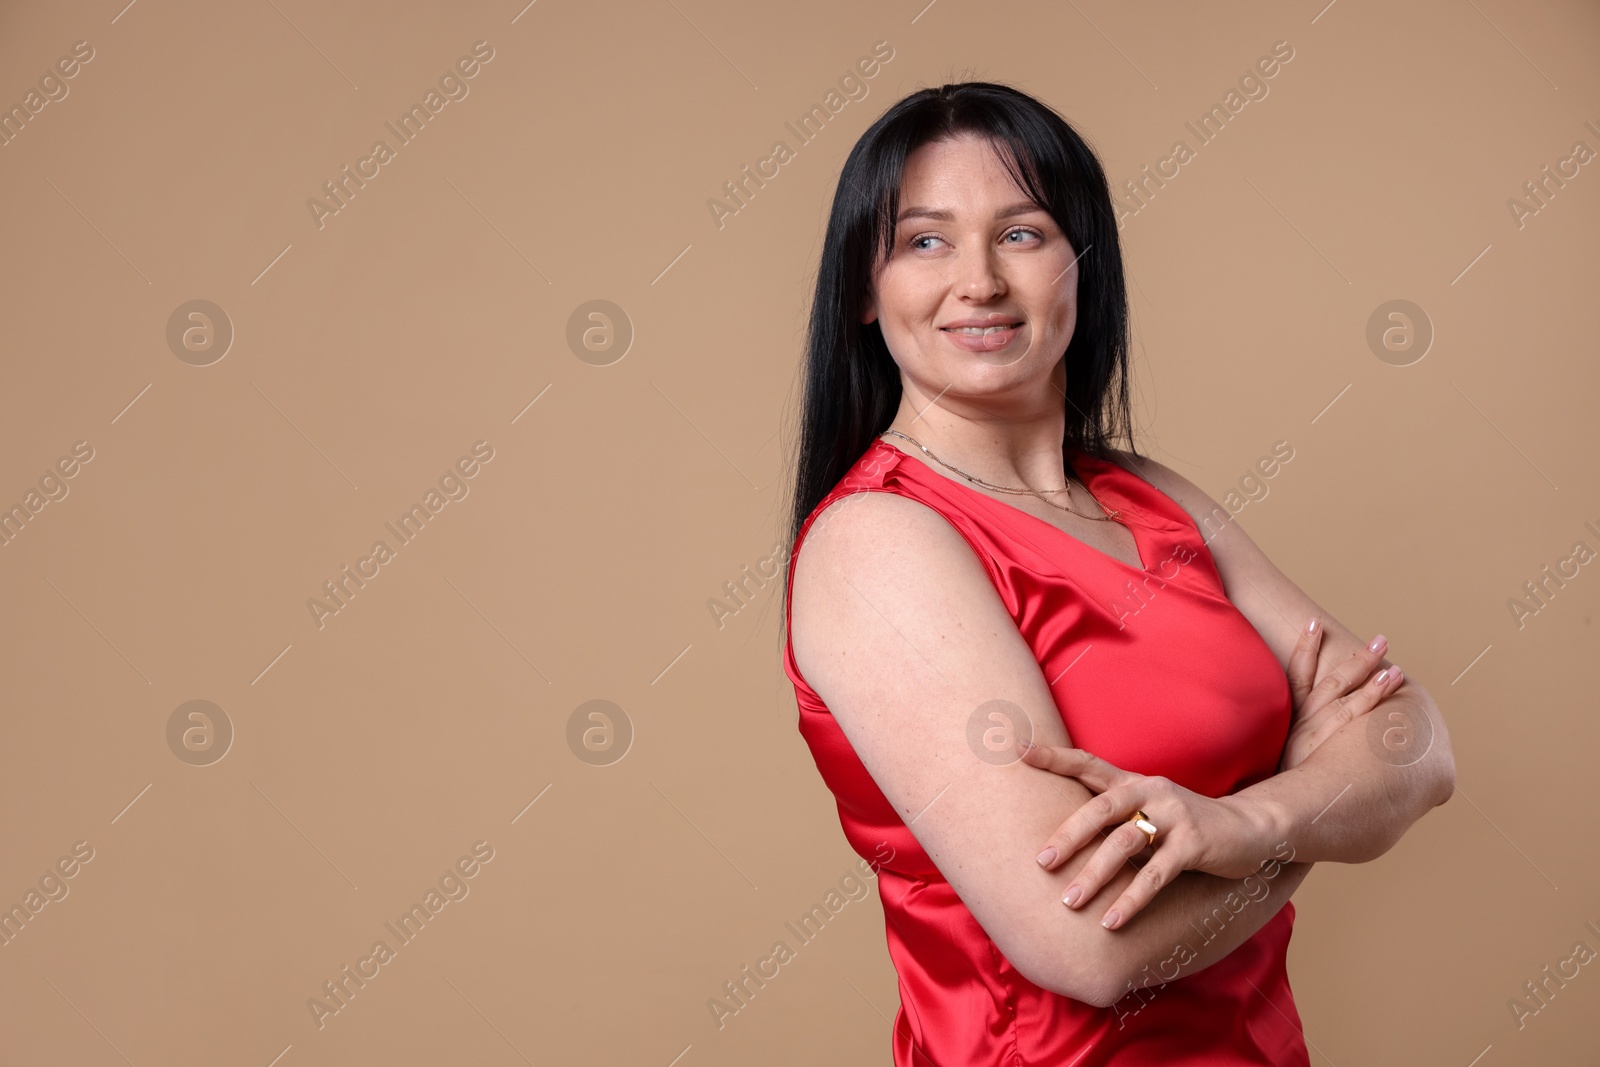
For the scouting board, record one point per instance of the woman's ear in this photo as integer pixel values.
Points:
(870, 314)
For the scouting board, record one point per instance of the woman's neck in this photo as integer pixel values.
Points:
(1017, 454)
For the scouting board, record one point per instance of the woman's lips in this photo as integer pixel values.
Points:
(990, 340)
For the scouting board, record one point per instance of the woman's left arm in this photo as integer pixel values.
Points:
(1365, 759)
(1365, 783)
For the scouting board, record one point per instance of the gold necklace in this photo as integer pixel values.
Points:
(1109, 513)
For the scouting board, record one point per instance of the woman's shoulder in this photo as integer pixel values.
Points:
(866, 521)
(879, 518)
(871, 470)
(884, 495)
(886, 548)
(1149, 473)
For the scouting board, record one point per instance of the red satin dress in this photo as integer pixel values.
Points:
(1172, 681)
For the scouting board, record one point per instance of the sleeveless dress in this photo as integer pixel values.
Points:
(1167, 678)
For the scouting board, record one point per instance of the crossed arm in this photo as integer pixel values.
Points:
(897, 627)
(1350, 785)
(1343, 802)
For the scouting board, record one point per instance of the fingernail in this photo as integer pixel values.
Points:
(1047, 856)
(1072, 896)
(1382, 676)
(1377, 643)
(1025, 743)
(1311, 627)
(1400, 675)
(1112, 918)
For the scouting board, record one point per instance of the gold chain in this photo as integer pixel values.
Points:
(1109, 513)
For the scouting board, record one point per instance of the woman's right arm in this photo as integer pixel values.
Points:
(897, 627)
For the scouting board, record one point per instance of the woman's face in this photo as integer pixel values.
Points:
(970, 248)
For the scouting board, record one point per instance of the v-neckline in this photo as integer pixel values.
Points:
(1027, 517)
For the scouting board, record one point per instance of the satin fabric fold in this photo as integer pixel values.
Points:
(1177, 683)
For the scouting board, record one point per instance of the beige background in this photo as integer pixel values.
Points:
(431, 312)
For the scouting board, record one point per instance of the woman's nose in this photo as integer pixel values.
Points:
(980, 276)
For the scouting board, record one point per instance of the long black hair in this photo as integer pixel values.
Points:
(851, 383)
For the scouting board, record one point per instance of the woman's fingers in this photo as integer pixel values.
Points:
(1082, 826)
(1348, 675)
(1302, 669)
(1088, 768)
(1121, 844)
(1157, 871)
(1356, 703)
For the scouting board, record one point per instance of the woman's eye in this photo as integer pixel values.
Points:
(917, 241)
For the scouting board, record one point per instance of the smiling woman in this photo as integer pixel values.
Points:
(964, 539)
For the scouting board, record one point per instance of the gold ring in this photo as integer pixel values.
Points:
(1142, 823)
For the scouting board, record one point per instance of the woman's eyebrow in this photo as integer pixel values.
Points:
(1020, 208)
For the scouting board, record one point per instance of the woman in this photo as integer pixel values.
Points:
(966, 544)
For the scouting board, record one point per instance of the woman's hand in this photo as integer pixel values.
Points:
(1320, 709)
(1223, 836)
